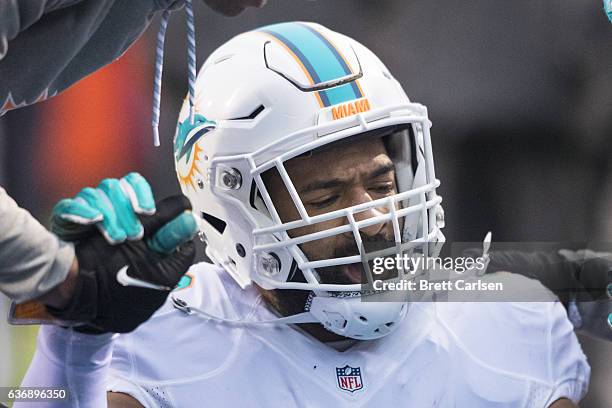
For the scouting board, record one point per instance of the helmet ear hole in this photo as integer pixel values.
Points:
(215, 222)
(295, 274)
(256, 200)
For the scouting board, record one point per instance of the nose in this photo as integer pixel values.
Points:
(374, 229)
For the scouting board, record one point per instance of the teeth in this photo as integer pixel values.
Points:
(352, 294)
(347, 294)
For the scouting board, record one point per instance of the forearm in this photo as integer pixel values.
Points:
(569, 274)
(552, 270)
(16, 16)
(73, 361)
(60, 296)
(86, 35)
(580, 279)
(32, 260)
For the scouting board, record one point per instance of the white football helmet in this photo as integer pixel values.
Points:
(275, 93)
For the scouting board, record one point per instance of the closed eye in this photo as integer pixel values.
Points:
(324, 203)
(384, 188)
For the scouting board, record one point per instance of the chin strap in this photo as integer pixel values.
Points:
(304, 317)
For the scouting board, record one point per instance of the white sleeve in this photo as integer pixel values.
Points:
(71, 360)
(568, 365)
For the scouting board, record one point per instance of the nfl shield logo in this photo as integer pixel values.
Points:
(349, 378)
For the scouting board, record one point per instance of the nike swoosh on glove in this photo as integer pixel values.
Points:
(102, 301)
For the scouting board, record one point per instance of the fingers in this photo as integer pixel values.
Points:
(139, 193)
(167, 209)
(173, 234)
(108, 225)
(112, 208)
(77, 210)
(73, 219)
(128, 197)
(120, 221)
(178, 263)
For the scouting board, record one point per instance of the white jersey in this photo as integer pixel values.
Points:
(441, 355)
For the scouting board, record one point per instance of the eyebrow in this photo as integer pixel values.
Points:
(338, 182)
(382, 169)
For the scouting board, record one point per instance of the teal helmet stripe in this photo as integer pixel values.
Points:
(334, 94)
(319, 57)
(340, 94)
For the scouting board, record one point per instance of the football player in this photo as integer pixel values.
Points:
(304, 159)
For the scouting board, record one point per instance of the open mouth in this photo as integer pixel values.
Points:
(349, 274)
(353, 273)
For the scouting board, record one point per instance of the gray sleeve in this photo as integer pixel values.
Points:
(32, 260)
(18, 15)
(48, 45)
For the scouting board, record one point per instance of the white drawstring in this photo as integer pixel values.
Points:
(159, 66)
(191, 57)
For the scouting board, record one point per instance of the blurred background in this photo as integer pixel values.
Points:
(519, 93)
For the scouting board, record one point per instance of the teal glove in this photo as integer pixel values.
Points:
(112, 208)
(118, 287)
(608, 8)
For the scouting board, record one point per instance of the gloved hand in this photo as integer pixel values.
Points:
(127, 271)
(593, 302)
(112, 208)
(581, 279)
(594, 272)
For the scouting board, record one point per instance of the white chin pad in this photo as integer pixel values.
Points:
(352, 317)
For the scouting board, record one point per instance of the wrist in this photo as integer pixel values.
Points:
(60, 295)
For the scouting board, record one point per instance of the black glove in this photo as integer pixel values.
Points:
(582, 280)
(568, 274)
(107, 305)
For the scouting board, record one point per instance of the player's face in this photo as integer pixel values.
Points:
(333, 179)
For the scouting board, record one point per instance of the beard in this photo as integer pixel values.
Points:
(288, 302)
(355, 273)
